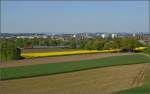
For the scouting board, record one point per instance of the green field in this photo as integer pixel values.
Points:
(63, 67)
(138, 90)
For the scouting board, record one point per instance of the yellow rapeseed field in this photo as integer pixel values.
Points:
(140, 48)
(44, 54)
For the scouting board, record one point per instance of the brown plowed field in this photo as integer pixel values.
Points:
(95, 81)
(58, 59)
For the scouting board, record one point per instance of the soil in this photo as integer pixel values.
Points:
(95, 81)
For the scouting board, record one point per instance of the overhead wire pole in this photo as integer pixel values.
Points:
(1, 86)
(1, 37)
(0, 17)
(149, 45)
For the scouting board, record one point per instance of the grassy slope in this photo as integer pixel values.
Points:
(55, 68)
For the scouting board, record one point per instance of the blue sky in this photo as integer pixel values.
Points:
(74, 17)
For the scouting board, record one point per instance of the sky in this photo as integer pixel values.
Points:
(74, 16)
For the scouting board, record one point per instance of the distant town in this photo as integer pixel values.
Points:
(140, 35)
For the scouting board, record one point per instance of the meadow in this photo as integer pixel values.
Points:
(64, 67)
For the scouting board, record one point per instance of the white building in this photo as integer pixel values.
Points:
(74, 36)
(133, 34)
(113, 35)
(44, 37)
(104, 35)
(20, 37)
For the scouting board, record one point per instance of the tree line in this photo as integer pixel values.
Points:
(10, 48)
(126, 44)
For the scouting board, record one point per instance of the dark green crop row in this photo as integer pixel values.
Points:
(63, 67)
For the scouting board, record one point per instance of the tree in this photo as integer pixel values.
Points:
(73, 44)
(128, 44)
(89, 45)
(9, 50)
(117, 42)
(98, 44)
(82, 43)
(109, 45)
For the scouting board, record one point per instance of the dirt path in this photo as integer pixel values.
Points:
(58, 59)
(95, 81)
(138, 80)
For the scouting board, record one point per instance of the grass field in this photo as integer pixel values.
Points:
(55, 68)
(137, 90)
